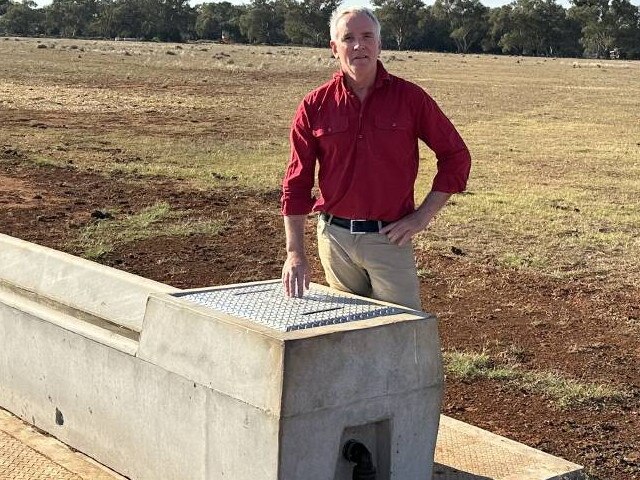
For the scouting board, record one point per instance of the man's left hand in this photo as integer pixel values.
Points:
(402, 231)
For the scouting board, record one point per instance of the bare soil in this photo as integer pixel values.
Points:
(584, 330)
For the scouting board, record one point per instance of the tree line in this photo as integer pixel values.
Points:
(594, 28)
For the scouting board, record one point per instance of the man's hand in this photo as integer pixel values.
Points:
(402, 231)
(295, 275)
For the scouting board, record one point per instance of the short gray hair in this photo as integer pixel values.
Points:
(341, 12)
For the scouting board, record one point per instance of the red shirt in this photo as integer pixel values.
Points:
(367, 153)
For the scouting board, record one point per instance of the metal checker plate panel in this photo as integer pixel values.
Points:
(267, 305)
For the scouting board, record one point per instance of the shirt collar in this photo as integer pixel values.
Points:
(382, 76)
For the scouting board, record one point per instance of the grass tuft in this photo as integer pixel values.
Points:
(567, 392)
(101, 238)
(562, 391)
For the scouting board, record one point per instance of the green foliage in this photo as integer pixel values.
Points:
(306, 23)
(20, 18)
(263, 22)
(4, 5)
(70, 18)
(524, 27)
(537, 28)
(215, 21)
(398, 19)
(606, 25)
(467, 21)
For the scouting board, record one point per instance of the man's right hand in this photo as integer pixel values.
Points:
(295, 275)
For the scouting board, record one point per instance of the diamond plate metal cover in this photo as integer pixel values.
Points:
(267, 305)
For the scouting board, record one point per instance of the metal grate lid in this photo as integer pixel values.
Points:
(267, 305)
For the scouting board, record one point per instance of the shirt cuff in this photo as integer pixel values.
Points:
(448, 183)
(295, 206)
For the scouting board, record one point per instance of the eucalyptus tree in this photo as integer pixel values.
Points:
(500, 22)
(175, 19)
(263, 21)
(468, 21)
(307, 22)
(70, 18)
(218, 20)
(399, 20)
(4, 5)
(21, 19)
(537, 27)
(129, 18)
(626, 21)
(598, 35)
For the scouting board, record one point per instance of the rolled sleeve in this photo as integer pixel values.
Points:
(454, 159)
(299, 178)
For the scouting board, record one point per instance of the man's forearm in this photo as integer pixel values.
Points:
(295, 272)
(431, 205)
(294, 232)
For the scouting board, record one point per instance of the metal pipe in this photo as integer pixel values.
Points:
(355, 451)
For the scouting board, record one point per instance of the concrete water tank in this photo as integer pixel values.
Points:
(235, 382)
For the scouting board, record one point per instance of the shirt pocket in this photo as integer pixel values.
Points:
(392, 124)
(330, 127)
(394, 137)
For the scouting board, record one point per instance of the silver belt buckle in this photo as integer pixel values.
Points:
(353, 230)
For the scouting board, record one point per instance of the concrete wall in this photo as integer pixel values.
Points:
(128, 414)
(347, 381)
(214, 351)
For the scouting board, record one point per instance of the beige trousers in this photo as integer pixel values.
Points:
(368, 265)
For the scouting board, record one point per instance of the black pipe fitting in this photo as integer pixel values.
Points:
(356, 452)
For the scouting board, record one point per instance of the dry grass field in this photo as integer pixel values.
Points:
(165, 160)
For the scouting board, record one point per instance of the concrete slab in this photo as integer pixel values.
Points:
(27, 454)
(465, 452)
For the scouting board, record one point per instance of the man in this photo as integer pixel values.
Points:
(362, 128)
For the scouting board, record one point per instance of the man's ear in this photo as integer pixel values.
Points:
(334, 49)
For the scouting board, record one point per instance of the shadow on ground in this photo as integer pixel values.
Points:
(444, 472)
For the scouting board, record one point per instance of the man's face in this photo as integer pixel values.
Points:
(357, 45)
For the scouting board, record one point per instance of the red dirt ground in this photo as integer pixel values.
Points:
(582, 330)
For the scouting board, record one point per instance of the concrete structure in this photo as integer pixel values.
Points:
(155, 383)
(463, 452)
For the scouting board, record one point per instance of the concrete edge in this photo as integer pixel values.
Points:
(114, 272)
(67, 322)
(136, 288)
(573, 470)
(407, 315)
(54, 450)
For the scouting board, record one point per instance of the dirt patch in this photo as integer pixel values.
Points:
(582, 330)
